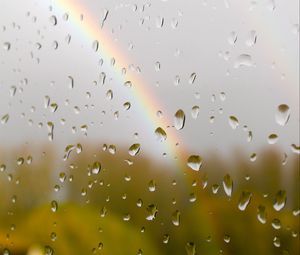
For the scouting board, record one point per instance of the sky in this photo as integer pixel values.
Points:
(225, 58)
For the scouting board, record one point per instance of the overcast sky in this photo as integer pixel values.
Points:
(245, 55)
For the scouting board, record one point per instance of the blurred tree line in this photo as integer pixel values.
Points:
(97, 202)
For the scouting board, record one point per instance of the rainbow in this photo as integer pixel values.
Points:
(144, 96)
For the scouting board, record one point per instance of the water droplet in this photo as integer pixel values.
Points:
(6, 46)
(53, 20)
(244, 200)
(96, 167)
(126, 217)
(4, 118)
(282, 115)
(227, 185)
(252, 37)
(71, 82)
(159, 21)
(134, 149)
(126, 105)
(272, 139)
(194, 162)
(151, 212)
(195, 112)
(192, 78)
(157, 66)
(109, 94)
(226, 238)
(53, 107)
(276, 224)
(166, 238)
(54, 206)
(276, 241)
(233, 122)
(152, 186)
(232, 38)
(128, 84)
(190, 248)
(280, 200)
(95, 45)
(261, 214)
(176, 218)
(179, 119)
(112, 149)
(243, 60)
(295, 148)
(161, 135)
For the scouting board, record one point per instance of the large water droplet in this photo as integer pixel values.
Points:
(179, 119)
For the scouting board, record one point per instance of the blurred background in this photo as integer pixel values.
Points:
(150, 127)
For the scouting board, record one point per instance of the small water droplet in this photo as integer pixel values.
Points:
(272, 139)
(233, 122)
(134, 149)
(282, 115)
(190, 248)
(244, 200)
(280, 200)
(243, 60)
(194, 162)
(151, 212)
(161, 134)
(176, 218)
(227, 185)
(53, 20)
(195, 111)
(179, 119)
(96, 167)
(54, 206)
(6, 46)
(261, 214)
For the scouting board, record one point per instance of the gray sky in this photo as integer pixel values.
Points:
(245, 49)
